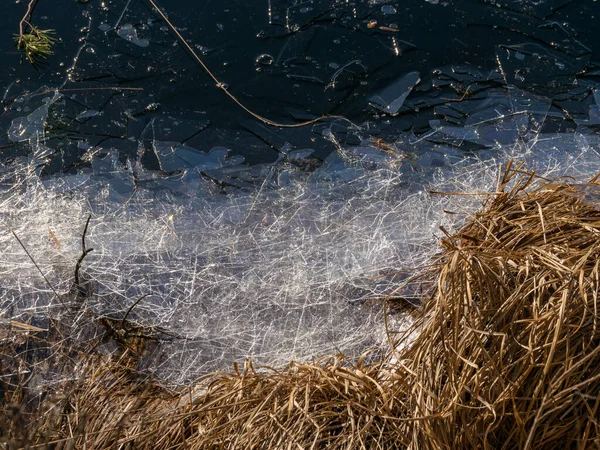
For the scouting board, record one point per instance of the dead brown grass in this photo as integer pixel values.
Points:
(507, 355)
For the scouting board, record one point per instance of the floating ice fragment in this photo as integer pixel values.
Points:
(457, 134)
(500, 119)
(174, 156)
(596, 93)
(535, 66)
(296, 155)
(391, 99)
(594, 116)
(24, 128)
(129, 33)
(85, 115)
(229, 176)
(540, 8)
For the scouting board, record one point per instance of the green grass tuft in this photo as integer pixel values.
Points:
(36, 43)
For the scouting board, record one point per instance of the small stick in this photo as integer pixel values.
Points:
(28, 13)
(87, 222)
(84, 252)
(131, 309)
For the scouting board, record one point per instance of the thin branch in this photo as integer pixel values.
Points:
(25, 19)
(84, 252)
(131, 309)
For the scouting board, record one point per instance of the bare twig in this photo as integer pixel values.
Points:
(123, 321)
(26, 17)
(84, 252)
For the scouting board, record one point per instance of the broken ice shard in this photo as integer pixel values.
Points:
(27, 127)
(540, 8)
(535, 67)
(174, 156)
(88, 114)
(391, 98)
(129, 33)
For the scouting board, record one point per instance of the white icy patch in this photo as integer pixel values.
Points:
(288, 270)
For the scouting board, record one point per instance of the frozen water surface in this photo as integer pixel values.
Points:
(280, 270)
(258, 241)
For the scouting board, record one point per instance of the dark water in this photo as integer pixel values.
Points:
(287, 61)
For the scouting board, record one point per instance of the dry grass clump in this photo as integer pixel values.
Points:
(507, 356)
(323, 405)
(509, 353)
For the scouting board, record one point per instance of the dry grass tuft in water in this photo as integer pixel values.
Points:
(507, 356)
